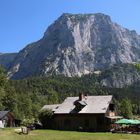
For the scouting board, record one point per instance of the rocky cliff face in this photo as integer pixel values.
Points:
(6, 59)
(75, 45)
(120, 76)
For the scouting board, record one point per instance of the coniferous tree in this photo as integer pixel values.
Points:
(126, 108)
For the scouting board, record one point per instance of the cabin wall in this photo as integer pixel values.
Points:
(11, 120)
(83, 122)
(1, 124)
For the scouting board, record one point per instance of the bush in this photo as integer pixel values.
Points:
(46, 117)
(27, 122)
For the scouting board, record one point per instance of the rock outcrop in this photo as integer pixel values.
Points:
(6, 59)
(120, 76)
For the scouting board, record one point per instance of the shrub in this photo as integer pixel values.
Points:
(46, 117)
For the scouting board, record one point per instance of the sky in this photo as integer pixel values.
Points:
(25, 21)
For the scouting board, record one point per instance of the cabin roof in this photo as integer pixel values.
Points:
(92, 105)
(51, 107)
(3, 114)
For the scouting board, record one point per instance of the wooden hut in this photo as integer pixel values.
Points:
(7, 119)
(85, 113)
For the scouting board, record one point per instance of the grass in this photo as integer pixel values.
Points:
(9, 134)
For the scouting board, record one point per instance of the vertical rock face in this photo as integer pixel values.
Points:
(119, 76)
(76, 45)
(6, 59)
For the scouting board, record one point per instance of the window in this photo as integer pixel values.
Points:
(112, 107)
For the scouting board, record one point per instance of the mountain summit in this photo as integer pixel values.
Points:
(77, 44)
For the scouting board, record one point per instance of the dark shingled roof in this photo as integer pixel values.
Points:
(3, 113)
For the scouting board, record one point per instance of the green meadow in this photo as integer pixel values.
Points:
(9, 134)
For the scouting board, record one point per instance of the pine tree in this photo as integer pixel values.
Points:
(126, 108)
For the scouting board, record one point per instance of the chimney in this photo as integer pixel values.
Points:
(81, 96)
(86, 96)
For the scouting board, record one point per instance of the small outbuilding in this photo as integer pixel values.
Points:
(6, 119)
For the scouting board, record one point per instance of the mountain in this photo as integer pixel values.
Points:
(6, 59)
(77, 44)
